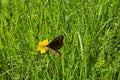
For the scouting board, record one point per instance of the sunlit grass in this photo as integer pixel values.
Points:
(91, 30)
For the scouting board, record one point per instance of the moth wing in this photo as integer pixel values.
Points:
(56, 43)
(58, 54)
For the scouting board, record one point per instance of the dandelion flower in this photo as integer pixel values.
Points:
(42, 46)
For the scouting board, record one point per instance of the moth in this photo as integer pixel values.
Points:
(55, 45)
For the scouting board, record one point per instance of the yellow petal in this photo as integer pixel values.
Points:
(42, 46)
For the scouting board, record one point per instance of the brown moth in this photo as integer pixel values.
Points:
(55, 45)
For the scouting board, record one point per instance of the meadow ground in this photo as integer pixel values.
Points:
(91, 31)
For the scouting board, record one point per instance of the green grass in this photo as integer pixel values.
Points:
(91, 32)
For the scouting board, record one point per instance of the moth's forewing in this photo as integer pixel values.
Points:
(56, 43)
